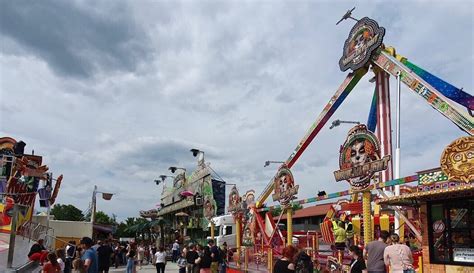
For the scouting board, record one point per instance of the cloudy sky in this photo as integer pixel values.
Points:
(112, 93)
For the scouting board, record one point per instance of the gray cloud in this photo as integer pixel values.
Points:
(76, 39)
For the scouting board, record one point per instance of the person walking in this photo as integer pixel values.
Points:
(374, 251)
(191, 257)
(123, 254)
(141, 255)
(90, 256)
(398, 256)
(286, 264)
(70, 255)
(153, 250)
(131, 267)
(215, 255)
(52, 265)
(104, 253)
(117, 258)
(205, 261)
(224, 262)
(357, 262)
(60, 258)
(175, 253)
(160, 258)
(182, 262)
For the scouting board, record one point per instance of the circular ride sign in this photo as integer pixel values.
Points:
(235, 202)
(285, 188)
(359, 158)
(365, 37)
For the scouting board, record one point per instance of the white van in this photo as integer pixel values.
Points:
(225, 230)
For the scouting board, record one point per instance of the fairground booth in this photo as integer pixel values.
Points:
(187, 205)
(445, 199)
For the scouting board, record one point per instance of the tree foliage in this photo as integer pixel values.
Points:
(130, 227)
(102, 218)
(67, 213)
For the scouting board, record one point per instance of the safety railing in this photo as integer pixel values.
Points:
(35, 231)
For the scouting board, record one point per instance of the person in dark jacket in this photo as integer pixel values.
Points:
(38, 252)
(303, 263)
(204, 262)
(191, 257)
(104, 253)
(70, 255)
(286, 264)
(357, 262)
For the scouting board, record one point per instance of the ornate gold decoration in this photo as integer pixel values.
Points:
(432, 177)
(457, 160)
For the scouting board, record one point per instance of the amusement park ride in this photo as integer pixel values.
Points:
(366, 156)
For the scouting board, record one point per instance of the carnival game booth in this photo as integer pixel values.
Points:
(366, 160)
(445, 199)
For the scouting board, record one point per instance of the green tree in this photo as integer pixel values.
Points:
(67, 212)
(102, 218)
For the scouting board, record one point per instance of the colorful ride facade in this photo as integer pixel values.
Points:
(366, 163)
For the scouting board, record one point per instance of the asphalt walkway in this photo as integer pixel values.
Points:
(170, 268)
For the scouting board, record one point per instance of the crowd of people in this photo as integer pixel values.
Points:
(203, 259)
(95, 257)
(92, 257)
(377, 256)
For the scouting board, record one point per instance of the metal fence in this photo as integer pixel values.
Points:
(35, 231)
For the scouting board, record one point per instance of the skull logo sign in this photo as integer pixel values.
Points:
(365, 38)
(360, 158)
(234, 200)
(358, 154)
(285, 188)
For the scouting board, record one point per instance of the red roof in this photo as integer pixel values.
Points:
(317, 210)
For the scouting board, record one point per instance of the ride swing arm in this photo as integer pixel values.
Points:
(342, 92)
(413, 77)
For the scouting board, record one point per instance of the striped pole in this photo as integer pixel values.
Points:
(366, 196)
(384, 128)
(238, 238)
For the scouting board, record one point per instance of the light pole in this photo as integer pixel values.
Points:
(268, 162)
(105, 195)
(397, 149)
(174, 169)
(163, 178)
(199, 154)
(338, 122)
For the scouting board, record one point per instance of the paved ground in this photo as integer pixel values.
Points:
(170, 268)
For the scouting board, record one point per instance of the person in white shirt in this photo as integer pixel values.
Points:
(141, 255)
(175, 250)
(160, 257)
(398, 256)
